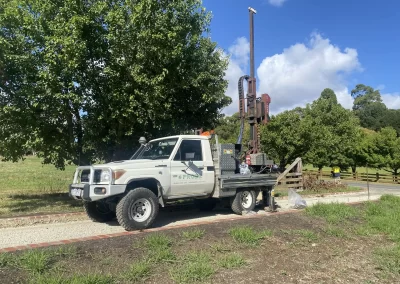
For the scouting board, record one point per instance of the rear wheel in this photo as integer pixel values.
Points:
(137, 209)
(244, 200)
(98, 211)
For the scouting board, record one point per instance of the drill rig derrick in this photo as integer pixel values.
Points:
(257, 108)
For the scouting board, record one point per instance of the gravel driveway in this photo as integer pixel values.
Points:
(67, 229)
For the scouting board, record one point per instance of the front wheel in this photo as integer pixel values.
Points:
(98, 211)
(244, 200)
(137, 209)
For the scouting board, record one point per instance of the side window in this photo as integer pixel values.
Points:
(189, 150)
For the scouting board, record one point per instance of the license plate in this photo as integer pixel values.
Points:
(76, 192)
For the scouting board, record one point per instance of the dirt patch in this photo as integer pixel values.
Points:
(299, 251)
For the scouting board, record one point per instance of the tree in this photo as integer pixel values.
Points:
(83, 80)
(358, 152)
(329, 94)
(330, 131)
(368, 107)
(228, 128)
(392, 119)
(283, 137)
(385, 150)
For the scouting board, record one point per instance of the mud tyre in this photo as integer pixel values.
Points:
(98, 211)
(138, 209)
(244, 200)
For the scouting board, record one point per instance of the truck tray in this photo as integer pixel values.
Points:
(243, 181)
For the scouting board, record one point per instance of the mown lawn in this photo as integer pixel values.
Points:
(326, 243)
(30, 187)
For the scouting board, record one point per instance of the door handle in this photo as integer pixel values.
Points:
(161, 166)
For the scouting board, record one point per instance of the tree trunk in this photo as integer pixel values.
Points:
(79, 137)
(282, 164)
(353, 171)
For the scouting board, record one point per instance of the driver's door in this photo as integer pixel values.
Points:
(187, 180)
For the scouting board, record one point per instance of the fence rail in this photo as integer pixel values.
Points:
(292, 177)
(372, 177)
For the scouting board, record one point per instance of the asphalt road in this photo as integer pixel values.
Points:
(377, 187)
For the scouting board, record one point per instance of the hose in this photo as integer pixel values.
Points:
(241, 107)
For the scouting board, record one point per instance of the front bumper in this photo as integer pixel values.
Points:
(91, 191)
(86, 192)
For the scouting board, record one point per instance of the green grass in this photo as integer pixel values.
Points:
(284, 192)
(309, 235)
(157, 241)
(7, 259)
(333, 213)
(377, 217)
(193, 234)
(335, 232)
(159, 248)
(388, 259)
(232, 260)
(30, 187)
(247, 235)
(138, 272)
(384, 216)
(221, 246)
(35, 261)
(361, 170)
(195, 267)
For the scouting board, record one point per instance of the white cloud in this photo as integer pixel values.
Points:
(239, 58)
(391, 100)
(299, 74)
(276, 3)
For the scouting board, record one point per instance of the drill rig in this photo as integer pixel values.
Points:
(257, 112)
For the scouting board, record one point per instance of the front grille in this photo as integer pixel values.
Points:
(85, 176)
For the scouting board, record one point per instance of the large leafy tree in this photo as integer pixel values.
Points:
(330, 132)
(368, 107)
(385, 150)
(283, 138)
(359, 151)
(83, 80)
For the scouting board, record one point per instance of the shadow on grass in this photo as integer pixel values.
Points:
(18, 204)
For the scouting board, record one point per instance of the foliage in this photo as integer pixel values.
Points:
(385, 150)
(358, 152)
(331, 132)
(83, 80)
(368, 107)
(283, 137)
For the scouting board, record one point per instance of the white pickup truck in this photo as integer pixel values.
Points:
(165, 170)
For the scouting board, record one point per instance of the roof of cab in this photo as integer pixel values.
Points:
(199, 137)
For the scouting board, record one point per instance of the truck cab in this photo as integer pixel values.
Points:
(164, 170)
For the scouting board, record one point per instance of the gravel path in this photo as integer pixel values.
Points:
(69, 229)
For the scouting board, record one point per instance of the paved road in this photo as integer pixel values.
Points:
(79, 229)
(376, 186)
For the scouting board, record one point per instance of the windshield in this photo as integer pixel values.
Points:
(154, 150)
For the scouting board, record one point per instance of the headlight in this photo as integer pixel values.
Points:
(105, 176)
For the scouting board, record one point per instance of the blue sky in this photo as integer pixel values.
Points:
(303, 46)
